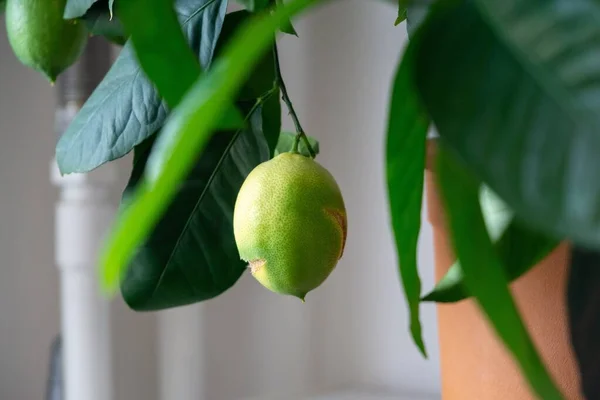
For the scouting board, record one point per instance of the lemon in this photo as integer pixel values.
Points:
(290, 224)
(41, 38)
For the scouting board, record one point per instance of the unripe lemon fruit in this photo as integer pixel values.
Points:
(290, 224)
(41, 38)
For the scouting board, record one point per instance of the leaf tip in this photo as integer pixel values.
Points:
(109, 277)
(415, 328)
(421, 346)
(401, 18)
(429, 297)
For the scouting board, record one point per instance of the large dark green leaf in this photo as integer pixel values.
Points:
(185, 136)
(262, 80)
(405, 162)
(126, 108)
(100, 21)
(584, 317)
(484, 274)
(191, 254)
(513, 87)
(77, 8)
(518, 249)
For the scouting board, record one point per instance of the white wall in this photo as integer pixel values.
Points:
(351, 332)
(28, 280)
(29, 316)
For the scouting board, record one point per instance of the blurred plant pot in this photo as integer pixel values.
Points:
(474, 364)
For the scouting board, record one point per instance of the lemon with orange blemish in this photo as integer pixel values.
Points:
(290, 224)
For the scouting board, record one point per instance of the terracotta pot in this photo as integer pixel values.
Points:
(474, 364)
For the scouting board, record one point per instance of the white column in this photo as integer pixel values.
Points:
(181, 353)
(83, 214)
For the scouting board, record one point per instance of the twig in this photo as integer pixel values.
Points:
(286, 99)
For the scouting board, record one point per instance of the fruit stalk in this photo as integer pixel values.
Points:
(288, 103)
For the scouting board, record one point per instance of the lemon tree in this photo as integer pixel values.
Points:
(215, 187)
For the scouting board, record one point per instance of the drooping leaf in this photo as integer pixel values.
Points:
(99, 21)
(512, 87)
(498, 218)
(126, 108)
(185, 136)
(484, 275)
(286, 142)
(584, 317)
(190, 254)
(405, 167)
(77, 8)
(518, 249)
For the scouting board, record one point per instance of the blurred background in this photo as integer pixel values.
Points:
(352, 333)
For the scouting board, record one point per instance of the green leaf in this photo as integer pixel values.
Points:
(263, 75)
(190, 255)
(77, 8)
(584, 317)
(286, 141)
(186, 134)
(161, 47)
(512, 87)
(100, 21)
(484, 274)
(287, 26)
(518, 249)
(405, 166)
(261, 81)
(126, 108)
(402, 5)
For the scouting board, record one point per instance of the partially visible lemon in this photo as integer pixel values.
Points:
(41, 38)
(290, 224)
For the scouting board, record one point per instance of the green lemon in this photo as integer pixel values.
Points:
(41, 38)
(290, 224)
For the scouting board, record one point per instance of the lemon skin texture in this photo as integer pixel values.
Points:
(41, 38)
(290, 224)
